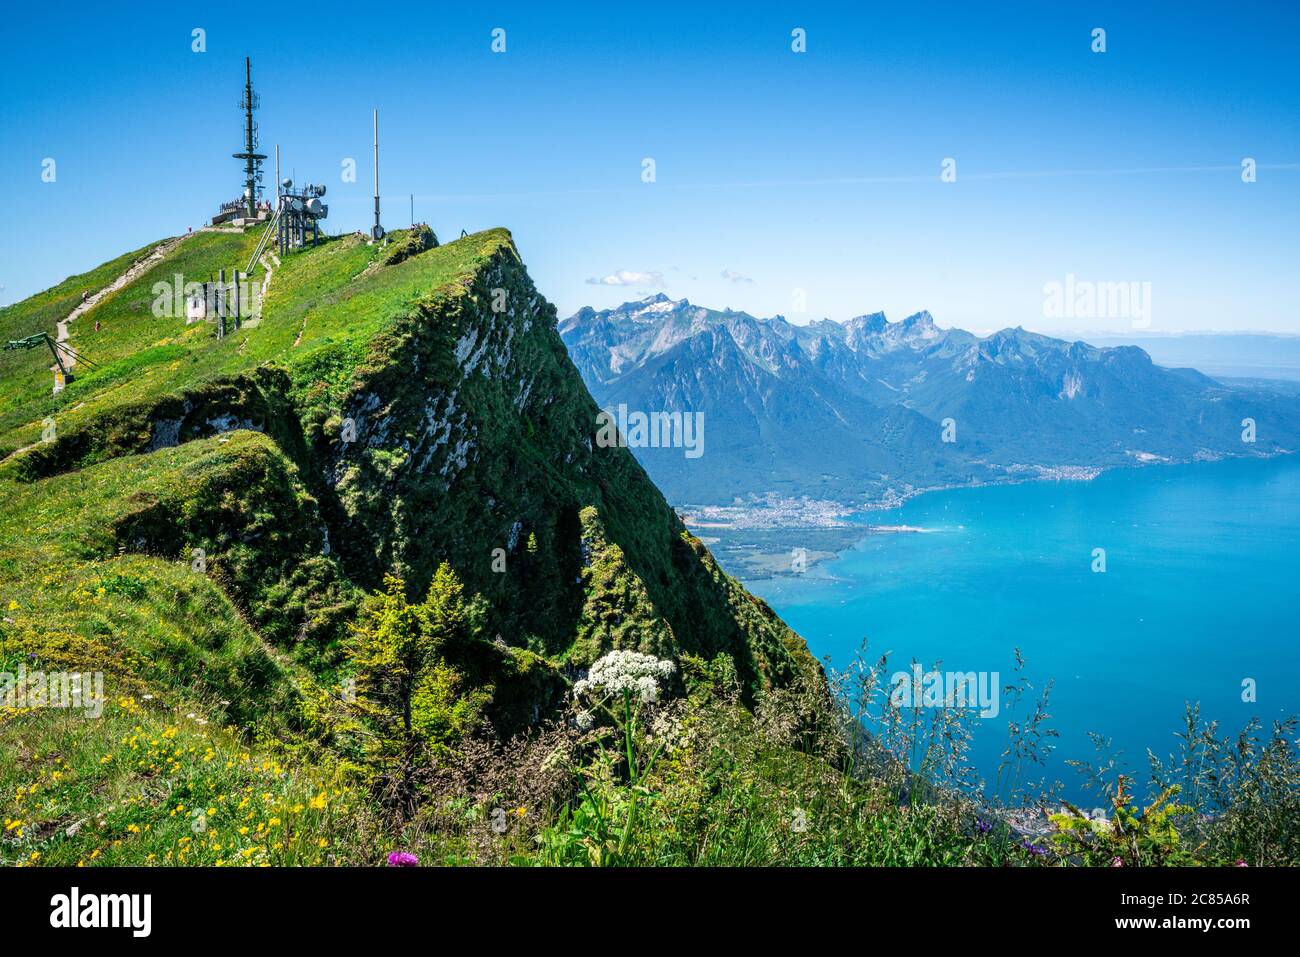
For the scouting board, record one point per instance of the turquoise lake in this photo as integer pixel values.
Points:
(1201, 591)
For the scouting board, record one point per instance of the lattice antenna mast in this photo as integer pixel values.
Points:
(252, 159)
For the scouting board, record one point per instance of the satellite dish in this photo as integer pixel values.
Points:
(287, 183)
(320, 190)
(315, 208)
(377, 233)
(295, 204)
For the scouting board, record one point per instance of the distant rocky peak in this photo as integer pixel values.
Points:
(652, 307)
(870, 322)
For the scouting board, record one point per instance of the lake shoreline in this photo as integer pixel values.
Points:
(832, 522)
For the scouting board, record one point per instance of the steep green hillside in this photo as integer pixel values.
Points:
(226, 504)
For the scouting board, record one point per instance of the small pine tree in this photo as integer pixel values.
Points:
(407, 695)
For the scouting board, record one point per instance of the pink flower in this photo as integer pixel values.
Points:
(403, 859)
(1116, 862)
(1241, 864)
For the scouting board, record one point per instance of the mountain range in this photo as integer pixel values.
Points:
(868, 410)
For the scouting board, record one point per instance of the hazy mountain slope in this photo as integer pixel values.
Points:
(1235, 355)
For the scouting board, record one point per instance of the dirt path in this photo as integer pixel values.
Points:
(139, 266)
(267, 260)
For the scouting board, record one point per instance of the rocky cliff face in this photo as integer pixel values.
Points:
(468, 437)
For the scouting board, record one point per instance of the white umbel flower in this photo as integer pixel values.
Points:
(621, 671)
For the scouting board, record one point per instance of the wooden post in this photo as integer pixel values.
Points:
(235, 298)
(221, 305)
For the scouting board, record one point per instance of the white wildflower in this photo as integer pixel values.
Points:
(647, 689)
(630, 671)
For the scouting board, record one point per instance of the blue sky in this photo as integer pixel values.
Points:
(775, 171)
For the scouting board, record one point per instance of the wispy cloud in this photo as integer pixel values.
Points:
(629, 277)
(732, 276)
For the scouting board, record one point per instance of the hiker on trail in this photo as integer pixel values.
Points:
(97, 325)
(85, 294)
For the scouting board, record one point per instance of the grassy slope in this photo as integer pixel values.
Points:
(95, 569)
(319, 316)
(76, 599)
(152, 784)
(321, 295)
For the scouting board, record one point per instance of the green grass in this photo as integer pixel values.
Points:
(96, 572)
(241, 631)
(324, 307)
(147, 784)
(78, 599)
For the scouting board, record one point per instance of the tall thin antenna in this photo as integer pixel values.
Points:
(277, 176)
(378, 232)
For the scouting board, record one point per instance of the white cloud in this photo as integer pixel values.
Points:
(629, 277)
(733, 276)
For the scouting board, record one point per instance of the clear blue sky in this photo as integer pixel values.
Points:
(817, 171)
